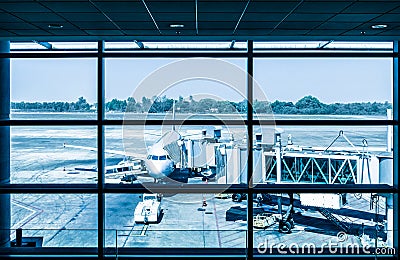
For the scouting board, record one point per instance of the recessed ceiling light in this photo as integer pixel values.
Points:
(55, 26)
(379, 26)
(176, 25)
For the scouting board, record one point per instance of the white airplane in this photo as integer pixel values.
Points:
(163, 155)
(159, 161)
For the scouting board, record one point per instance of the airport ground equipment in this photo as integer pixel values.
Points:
(264, 220)
(286, 223)
(148, 210)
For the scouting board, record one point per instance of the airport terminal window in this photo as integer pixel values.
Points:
(87, 171)
(54, 88)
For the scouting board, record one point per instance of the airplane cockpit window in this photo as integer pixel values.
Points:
(149, 157)
(163, 157)
(154, 157)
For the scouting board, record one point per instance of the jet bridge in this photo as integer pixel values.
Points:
(345, 165)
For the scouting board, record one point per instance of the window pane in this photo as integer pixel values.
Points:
(188, 154)
(56, 220)
(53, 154)
(179, 46)
(324, 88)
(323, 223)
(324, 154)
(53, 88)
(174, 221)
(200, 88)
(324, 45)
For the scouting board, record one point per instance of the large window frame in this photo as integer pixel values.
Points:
(101, 188)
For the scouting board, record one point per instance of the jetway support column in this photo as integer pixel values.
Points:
(5, 218)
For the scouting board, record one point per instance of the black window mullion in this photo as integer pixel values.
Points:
(100, 150)
(396, 83)
(250, 241)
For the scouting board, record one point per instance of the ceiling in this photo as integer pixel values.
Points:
(202, 19)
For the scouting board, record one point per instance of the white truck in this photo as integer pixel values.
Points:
(148, 210)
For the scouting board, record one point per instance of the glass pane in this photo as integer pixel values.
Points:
(324, 154)
(199, 88)
(53, 154)
(181, 46)
(44, 46)
(324, 88)
(55, 220)
(324, 45)
(323, 223)
(174, 221)
(53, 88)
(26, 46)
(186, 154)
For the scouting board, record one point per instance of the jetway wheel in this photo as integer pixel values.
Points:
(285, 227)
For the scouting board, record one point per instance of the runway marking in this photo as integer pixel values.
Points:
(30, 217)
(216, 223)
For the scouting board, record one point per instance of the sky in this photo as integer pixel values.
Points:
(331, 80)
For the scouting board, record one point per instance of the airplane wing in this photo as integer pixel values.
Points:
(106, 150)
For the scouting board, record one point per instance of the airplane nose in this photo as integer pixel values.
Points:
(159, 169)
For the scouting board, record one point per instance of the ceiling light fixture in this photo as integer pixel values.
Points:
(55, 26)
(379, 26)
(176, 25)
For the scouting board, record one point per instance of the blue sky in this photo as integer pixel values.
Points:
(287, 79)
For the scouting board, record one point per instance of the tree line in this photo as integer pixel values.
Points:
(307, 105)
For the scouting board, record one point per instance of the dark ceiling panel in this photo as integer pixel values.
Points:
(267, 17)
(395, 32)
(171, 6)
(215, 17)
(181, 32)
(217, 25)
(5, 17)
(360, 33)
(40, 17)
(94, 17)
(271, 6)
(121, 6)
(221, 7)
(71, 32)
(325, 32)
(95, 25)
(387, 18)
(256, 25)
(174, 16)
(104, 32)
(6, 33)
(45, 26)
(23, 7)
(396, 11)
(128, 17)
(215, 32)
(81, 6)
(31, 32)
(391, 25)
(353, 17)
(142, 32)
(218, 17)
(372, 7)
(17, 26)
(323, 7)
(302, 17)
(298, 25)
(288, 32)
(338, 26)
(136, 25)
(251, 32)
